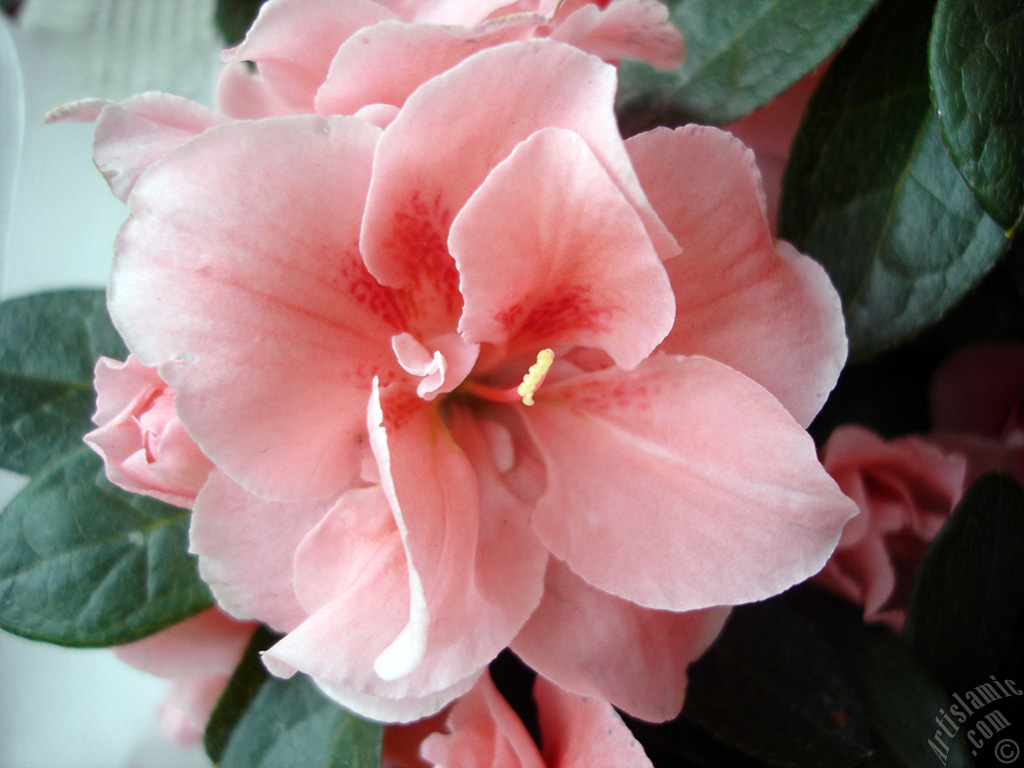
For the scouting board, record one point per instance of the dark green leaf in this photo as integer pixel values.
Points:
(968, 595)
(889, 393)
(740, 54)
(49, 343)
(249, 676)
(771, 688)
(681, 744)
(291, 723)
(83, 563)
(871, 192)
(902, 697)
(976, 61)
(234, 17)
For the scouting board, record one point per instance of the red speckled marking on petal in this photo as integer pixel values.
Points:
(419, 236)
(382, 301)
(597, 395)
(571, 309)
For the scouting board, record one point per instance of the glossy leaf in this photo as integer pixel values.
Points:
(291, 723)
(772, 689)
(740, 54)
(49, 343)
(249, 676)
(871, 192)
(968, 593)
(83, 563)
(901, 696)
(976, 62)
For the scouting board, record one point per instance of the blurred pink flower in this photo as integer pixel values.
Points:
(905, 490)
(199, 655)
(976, 407)
(144, 446)
(364, 57)
(481, 729)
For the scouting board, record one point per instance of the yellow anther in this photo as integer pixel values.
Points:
(535, 376)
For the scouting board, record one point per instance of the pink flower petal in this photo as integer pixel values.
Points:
(580, 732)
(293, 42)
(754, 304)
(467, 12)
(595, 644)
(258, 309)
(483, 732)
(209, 643)
(681, 485)
(144, 447)
(184, 713)
(905, 489)
(133, 134)
(624, 29)
(528, 277)
(450, 519)
(450, 134)
(406, 611)
(246, 547)
(385, 63)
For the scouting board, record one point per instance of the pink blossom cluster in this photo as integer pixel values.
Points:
(906, 488)
(443, 365)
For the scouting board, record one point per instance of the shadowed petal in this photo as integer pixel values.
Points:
(624, 29)
(580, 731)
(246, 547)
(598, 645)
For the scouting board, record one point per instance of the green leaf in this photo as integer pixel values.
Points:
(49, 343)
(771, 688)
(976, 62)
(872, 194)
(234, 17)
(740, 54)
(291, 723)
(248, 677)
(968, 593)
(83, 563)
(902, 697)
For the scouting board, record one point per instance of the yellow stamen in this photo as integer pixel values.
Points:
(535, 376)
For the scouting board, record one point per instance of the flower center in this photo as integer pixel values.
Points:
(525, 391)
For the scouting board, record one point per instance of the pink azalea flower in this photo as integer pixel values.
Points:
(976, 407)
(905, 490)
(364, 57)
(144, 446)
(483, 730)
(348, 315)
(199, 655)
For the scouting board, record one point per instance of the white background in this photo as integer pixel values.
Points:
(62, 707)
